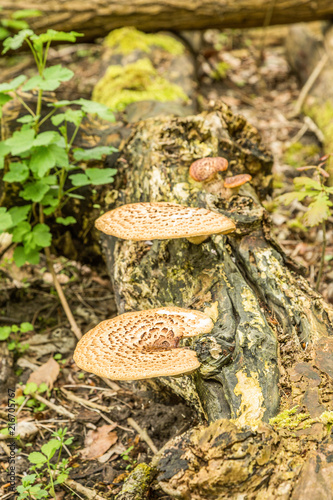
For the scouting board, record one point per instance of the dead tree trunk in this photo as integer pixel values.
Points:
(96, 18)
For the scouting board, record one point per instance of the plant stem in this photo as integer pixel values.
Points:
(322, 260)
(51, 478)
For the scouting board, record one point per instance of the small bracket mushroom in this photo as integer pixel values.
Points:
(143, 344)
(204, 169)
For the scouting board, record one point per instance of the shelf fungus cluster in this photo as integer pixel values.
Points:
(163, 221)
(143, 344)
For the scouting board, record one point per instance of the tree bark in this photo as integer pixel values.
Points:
(96, 18)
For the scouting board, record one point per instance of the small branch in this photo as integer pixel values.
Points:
(87, 492)
(57, 408)
(322, 260)
(76, 330)
(308, 84)
(72, 397)
(143, 434)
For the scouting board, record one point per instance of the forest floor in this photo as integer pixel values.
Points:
(249, 71)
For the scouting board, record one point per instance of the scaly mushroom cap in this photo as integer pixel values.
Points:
(143, 344)
(162, 221)
(205, 168)
(237, 180)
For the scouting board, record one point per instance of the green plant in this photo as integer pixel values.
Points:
(13, 334)
(29, 390)
(44, 167)
(125, 456)
(16, 21)
(46, 474)
(318, 210)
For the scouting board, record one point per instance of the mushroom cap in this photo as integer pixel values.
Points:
(237, 180)
(205, 168)
(162, 221)
(142, 344)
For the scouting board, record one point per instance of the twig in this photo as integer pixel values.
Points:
(87, 492)
(308, 84)
(143, 434)
(72, 397)
(76, 330)
(5, 448)
(57, 408)
(322, 260)
(112, 385)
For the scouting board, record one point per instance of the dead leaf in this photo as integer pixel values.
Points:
(26, 428)
(47, 373)
(98, 442)
(117, 449)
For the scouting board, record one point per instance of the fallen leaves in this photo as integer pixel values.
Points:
(45, 374)
(99, 441)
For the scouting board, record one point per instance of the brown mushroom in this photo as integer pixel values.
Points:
(163, 221)
(142, 344)
(237, 181)
(204, 169)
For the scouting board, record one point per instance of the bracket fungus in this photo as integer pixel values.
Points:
(237, 181)
(204, 169)
(163, 221)
(143, 344)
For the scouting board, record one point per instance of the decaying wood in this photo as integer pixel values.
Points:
(95, 18)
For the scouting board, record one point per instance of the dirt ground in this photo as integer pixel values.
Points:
(249, 71)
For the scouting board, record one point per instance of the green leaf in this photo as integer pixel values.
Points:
(14, 84)
(74, 116)
(19, 214)
(99, 176)
(4, 150)
(3, 97)
(51, 447)
(93, 107)
(42, 160)
(5, 219)
(67, 221)
(318, 211)
(59, 36)
(29, 479)
(37, 458)
(34, 191)
(306, 182)
(5, 331)
(93, 153)
(23, 13)
(51, 78)
(41, 235)
(43, 388)
(26, 327)
(18, 172)
(20, 231)
(57, 119)
(60, 104)
(76, 196)
(60, 155)
(46, 138)
(16, 41)
(3, 33)
(79, 180)
(20, 141)
(26, 119)
(30, 388)
(288, 198)
(15, 24)
(61, 477)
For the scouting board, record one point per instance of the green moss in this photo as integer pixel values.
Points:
(327, 419)
(289, 419)
(298, 155)
(322, 114)
(138, 482)
(126, 40)
(139, 81)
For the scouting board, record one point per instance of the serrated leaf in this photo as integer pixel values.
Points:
(61, 477)
(79, 180)
(30, 388)
(74, 116)
(307, 183)
(20, 141)
(5, 219)
(42, 160)
(20, 231)
(93, 107)
(60, 155)
(18, 172)
(14, 84)
(19, 214)
(51, 78)
(51, 447)
(93, 153)
(99, 176)
(318, 211)
(41, 235)
(34, 191)
(57, 119)
(46, 138)
(66, 221)
(16, 41)
(37, 458)
(26, 119)
(5, 331)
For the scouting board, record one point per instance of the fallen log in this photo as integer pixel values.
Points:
(96, 18)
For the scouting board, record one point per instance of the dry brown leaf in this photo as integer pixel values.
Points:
(47, 373)
(98, 442)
